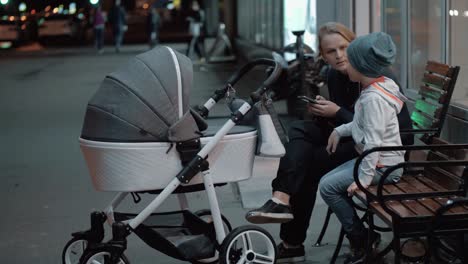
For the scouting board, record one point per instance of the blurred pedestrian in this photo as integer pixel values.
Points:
(118, 21)
(99, 25)
(196, 29)
(154, 22)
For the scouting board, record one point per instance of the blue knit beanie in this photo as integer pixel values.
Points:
(372, 53)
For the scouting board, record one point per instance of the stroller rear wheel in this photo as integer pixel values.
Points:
(205, 215)
(248, 244)
(73, 250)
(102, 257)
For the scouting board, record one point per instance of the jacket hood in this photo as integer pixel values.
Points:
(389, 91)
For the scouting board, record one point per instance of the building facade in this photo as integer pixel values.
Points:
(422, 30)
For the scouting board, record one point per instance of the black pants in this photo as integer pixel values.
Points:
(300, 170)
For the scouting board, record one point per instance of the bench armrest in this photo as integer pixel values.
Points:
(417, 131)
(379, 196)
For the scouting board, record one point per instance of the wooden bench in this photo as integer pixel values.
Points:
(409, 206)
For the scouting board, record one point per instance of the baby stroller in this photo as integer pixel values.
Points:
(140, 136)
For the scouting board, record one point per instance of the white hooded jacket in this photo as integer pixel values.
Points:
(375, 124)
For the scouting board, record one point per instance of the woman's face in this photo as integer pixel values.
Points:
(334, 51)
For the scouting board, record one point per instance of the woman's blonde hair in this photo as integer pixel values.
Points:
(334, 28)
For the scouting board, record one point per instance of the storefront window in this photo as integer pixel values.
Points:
(258, 22)
(458, 21)
(300, 15)
(393, 26)
(425, 38)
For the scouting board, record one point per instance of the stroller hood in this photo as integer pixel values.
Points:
(146, 100)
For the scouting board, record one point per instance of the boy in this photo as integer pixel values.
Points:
(374, 124)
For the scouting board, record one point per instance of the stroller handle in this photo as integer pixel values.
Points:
(274, 75)
(250, 65)
(256, 95)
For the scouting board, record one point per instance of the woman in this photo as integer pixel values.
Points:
(306, 159)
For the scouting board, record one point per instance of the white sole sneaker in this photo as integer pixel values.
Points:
(265, 218)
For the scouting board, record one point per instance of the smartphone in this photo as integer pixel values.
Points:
(307, 99)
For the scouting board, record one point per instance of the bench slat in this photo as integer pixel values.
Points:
(432, 183)
(417, 208)
(392, 189)
(443, 201)
(430, 204)
(373, 189)
(437, 81)
(423, 121)
(418, 155)
(438, 96)
(458, 154)
(419, 185)
(380, 212)
(400, 209)
(428, 109)
(442, 178)
(439, 68)
(406, 187)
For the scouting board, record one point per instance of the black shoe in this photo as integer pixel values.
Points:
(355, 258)
(270, 212)
(290, 255)
(358, 248)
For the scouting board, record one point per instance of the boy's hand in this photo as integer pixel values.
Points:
(323, 108)
(333, 141)
(353, 188)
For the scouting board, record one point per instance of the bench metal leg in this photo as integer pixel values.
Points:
(370, 230)
(338, 246)
(397, 248)
(464, 254)
(318, 243)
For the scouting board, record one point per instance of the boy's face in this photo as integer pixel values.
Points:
(334, 51)
(353, 74)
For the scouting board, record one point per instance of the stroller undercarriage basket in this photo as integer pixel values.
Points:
(183, 235)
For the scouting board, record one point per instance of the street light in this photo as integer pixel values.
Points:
(22, 7)
(3, 2)
(94, 2)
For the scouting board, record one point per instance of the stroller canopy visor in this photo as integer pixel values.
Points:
(146, 100)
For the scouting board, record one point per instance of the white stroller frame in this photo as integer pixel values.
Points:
(196, 165)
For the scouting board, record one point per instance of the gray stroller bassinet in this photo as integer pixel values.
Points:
(136, 117)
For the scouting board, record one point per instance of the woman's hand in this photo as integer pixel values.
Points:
(333, 141)
(324, 107)
(353, 188)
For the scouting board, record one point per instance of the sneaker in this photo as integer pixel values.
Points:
(290, 255)
(270, 212)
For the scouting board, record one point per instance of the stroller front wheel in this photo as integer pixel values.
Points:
(73, 250)
(102, 257)
(248, 244)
